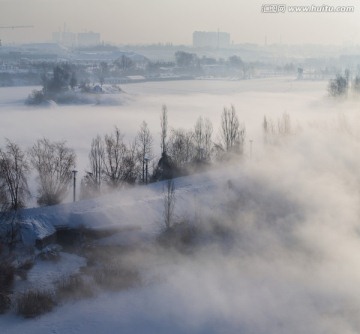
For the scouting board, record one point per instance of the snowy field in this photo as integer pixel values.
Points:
(292, 262)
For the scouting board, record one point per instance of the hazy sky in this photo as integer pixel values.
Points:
(153, 21)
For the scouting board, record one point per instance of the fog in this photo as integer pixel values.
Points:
(306, 103)
(186, 101)
(288, 262)
(144, 22)
(286, 259)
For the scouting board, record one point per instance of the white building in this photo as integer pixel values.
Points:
(88, 38)
(71, 39)
(68, 38)
(211, 39)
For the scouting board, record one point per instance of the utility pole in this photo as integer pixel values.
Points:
(74, 187)
(146, 159)
(251, 144)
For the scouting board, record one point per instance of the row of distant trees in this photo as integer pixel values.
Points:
(65, 77)
(62, 77)
(342, 83)
(187, 59)
(114, 163)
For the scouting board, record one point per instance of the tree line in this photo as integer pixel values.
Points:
(60, 79)
(114, 163)
(342, 83)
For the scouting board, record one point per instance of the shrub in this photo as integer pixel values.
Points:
(116, 277)
(27, 265)
(34, 303)
(24, 268)
(180, 236)
(36, 97)
(74, 287)
(50, 253)
(7, 275)
(338, 86)
(5, 303)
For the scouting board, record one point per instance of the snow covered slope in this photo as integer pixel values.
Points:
(139, 207)
(288, 260)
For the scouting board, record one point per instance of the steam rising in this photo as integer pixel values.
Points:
(291, 262)
(286, 259)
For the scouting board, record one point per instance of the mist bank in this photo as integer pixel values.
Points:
(306, 103)
(273, 249)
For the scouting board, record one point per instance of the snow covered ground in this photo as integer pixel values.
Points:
(45, 274)
(140, 209)
(290, 261)
(292, 265)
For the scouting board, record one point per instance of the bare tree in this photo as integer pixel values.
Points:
(90, 185)
(265, 129)
(144, 141)
(284, 124)
(269, 130)
(96, 158)
(119, 161)
(164, 126)
(186, 59)
(275, 134)
(169, 203)
(130, 164)
(232, 133)
(54, 162)
(124, 63)
(102, 72)
(14, 169)
(88, 188)
(4, 200)
(339, 86)
(356, 84)
(181, 147)
(202, 139)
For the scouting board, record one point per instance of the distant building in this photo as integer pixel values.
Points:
(56, 37)
(67, 38)
(211, 39)
(88, 39)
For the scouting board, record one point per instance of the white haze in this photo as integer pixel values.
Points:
(186, 101)
(305, 102)
(292, 264)
(148, 22)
